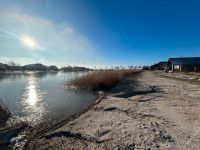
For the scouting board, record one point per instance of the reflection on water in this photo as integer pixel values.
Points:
(31, 99)
(36, 96)
(13, 76)
(32, 91)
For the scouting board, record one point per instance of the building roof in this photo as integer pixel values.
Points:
(185, 60)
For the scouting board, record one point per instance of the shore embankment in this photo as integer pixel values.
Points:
(142, 112)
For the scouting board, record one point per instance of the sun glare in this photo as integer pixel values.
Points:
(29, 42)
(31, 91)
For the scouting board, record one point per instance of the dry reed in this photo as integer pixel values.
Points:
(100, 80)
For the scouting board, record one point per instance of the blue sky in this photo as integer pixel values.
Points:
(99, 32)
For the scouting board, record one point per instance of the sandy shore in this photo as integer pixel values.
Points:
(143, 112)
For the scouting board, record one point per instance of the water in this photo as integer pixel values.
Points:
(35, 97)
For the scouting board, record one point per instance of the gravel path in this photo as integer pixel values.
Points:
(143, 112)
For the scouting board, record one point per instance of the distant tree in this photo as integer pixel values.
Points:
(53, 68)
(11, 63)
(117, 68)
(145, 68)
(69, 66)
(18, 64)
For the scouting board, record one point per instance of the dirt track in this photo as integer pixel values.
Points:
(143, 112)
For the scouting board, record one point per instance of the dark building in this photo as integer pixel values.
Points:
(184, 64)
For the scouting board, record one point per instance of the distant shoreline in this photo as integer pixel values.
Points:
(39, 67)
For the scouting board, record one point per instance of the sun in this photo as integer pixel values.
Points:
(29, 42)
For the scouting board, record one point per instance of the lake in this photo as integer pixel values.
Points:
(37, 96)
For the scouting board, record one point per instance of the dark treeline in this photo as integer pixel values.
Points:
(38, 67)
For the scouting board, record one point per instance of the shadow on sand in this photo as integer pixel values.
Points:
(131, 87)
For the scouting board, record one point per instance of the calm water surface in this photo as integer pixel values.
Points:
(35, 97)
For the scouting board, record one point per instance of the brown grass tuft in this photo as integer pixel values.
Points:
(101, 80)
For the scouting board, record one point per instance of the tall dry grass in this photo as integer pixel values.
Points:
(101, 80)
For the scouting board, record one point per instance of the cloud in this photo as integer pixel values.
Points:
(59, 43)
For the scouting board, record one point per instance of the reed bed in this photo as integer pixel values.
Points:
(100, 80)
